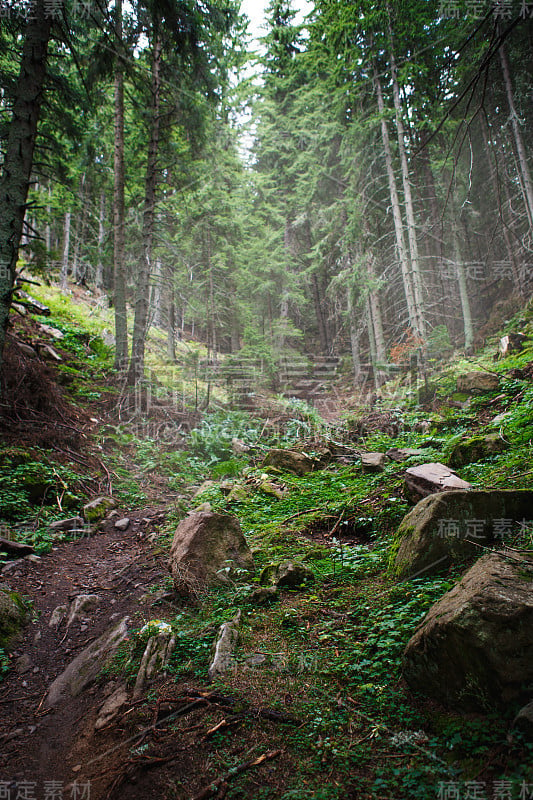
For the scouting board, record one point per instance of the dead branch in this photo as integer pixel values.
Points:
(221, 782)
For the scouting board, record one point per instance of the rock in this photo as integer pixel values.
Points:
(204, 508)
(431, 478)
(288, 460)
(264, 595)
(373, 462)
(81, 672)
(14, 614)
(477, 448)
(403, 453)
(203, 488)
(15, 548)
(98, 508)
(208, 548)
(524, 721)
(122, 524)
(238, 494)
(224, 648)
(80, 604)
(267, 487)
(512, 343)
(156, 656)
(53, 332)
(57, 616)
(474, 649)
(70, 524)
(239, 447)
(435, 532)
(111, 708)
(108, 338)
(23, 664)
(286, 575)
(472, 382)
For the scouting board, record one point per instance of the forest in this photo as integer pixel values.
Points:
(266, 392)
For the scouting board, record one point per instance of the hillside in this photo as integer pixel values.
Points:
(315, 698)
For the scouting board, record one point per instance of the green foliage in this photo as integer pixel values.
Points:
(30, 480)
(211, 440)
(4, 663)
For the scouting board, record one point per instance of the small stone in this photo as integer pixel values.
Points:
(224, 648)
(122, 524)
(373, 462)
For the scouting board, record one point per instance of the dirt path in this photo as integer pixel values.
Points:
(38, 747)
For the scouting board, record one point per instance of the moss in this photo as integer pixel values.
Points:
(14, 614)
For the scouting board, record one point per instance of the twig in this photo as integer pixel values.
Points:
(220, 783)
(302, 513)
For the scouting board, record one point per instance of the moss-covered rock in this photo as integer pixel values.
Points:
(289, 460)
(474, 649)
(446, 527)
(474, 382)
(14, 614)
(286, 575)
(97, 509)
(477, 448)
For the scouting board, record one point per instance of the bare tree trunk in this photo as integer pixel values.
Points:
(99, 277)
(47, 230)
(136, 368)
(396, 211)
(354, 335)
(527, 185)
(18, 159)
(63, 278)
(409, 208)
(463, 292)
(119, 265)
(79, 234)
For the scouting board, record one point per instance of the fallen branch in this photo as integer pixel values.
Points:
(220, 783)
(253, 711)
(302, 513)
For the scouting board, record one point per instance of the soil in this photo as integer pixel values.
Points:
(162, 746)
(37, 745)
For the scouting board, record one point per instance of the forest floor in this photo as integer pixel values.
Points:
(316, 706)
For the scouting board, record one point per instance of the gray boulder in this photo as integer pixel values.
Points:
(445, 527)
(474, 649)
(208, 548)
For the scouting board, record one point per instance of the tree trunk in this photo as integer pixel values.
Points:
(354, 336)
(416, 277)
(63, 278)
(79, 234)
(119, 265)
(136, 369)
(527, 185)
(463, 293)
(396, 211)
(99, 277)
(18, 159)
